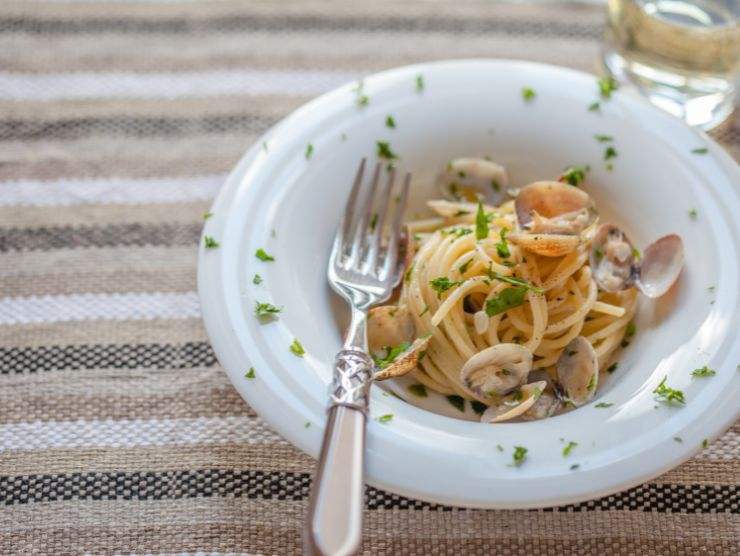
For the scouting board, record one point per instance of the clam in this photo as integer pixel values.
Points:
(405, 362)
(496, 370)
(577, 372)
(473, 179)
(515, 404)
(389, 325)
(545, 406)
(615, 264)
(552, 218)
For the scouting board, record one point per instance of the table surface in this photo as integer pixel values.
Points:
(119, 432)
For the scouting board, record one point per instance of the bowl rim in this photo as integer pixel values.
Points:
(216, 309)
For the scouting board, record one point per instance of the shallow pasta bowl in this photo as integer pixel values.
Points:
(286, 198)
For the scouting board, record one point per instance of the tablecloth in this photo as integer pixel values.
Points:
(119, 431)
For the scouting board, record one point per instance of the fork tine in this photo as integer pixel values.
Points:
(377, 232)
(345, 226)
(391, 256)
(358, 241)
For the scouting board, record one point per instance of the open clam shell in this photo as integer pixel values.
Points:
(473, 179)
(496, 370)
(515, 404)
(578, 371)
(552, 217)
(613, 260)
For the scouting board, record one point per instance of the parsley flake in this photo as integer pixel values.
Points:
(481, 223)
(297, 349)
(502, 248)
(611, 368)
(207, 215)
(594, 106)
(668, 395)
(442, 284)
(630, 330)
(603, 138)
(463, 268)
(499, 447)
(373, 222)
(704, 443)
(250, 373)
(307, 424)
(514, 281)
(257, 279)
(607, 85)
(693, 214)
(507, 298)
(575, 466)
(528, 94)
(309, 151)
(700, 150)
(262, 255)
(390, 122)
(391, 354)
(601, 405)
(519, 455)
(569, 448)
(677, 439)
(419, 83)
(703, 372)
(609, 153)
(262, 310)
(210, 243)
(385, 151)
(457, 401)
(361, 99)
(574, 175)
(387, 418)
(418, 390)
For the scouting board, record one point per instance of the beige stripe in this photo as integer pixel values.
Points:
(123, 157)
(265, 457)
(85, 215)
(88, 261)
(104, 281)
(126, 394)
(103, 332)
(274, 527)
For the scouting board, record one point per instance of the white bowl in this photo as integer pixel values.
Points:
(475, 107)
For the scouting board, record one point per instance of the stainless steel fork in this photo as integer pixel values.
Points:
(363, 269)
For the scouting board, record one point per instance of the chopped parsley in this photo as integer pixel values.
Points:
(457, 401)
(457, 232)
(704, 443)
(463, 268)
(419, 83)
(373, 222)
(391, 354)
(700, 150)
(598, 254)
(506, 299)
(607, 85)
(502, 248)
(677, 439)
(636, 253)
(499, 447)
(604, 138)
(387, 418)
(630, 330)
(575, 466)
(514, 281)
(385, 151)
(569, 448)
(262, 255)
(307, 424)
(574, 175)
(594, 106)
(297, 349)
(210, 243)
(309, 150)
(343, 137)
(481, 223)
(668, 395)
(601, 405)
(418, 390)
(611, 368)
(693, 214)
(478, 407)
(390, 122)
(409, 272)
(528, 94)
(711, 288)
(591, 382)
(207, 215)
(609, 153)
(703, 372)
(264, 146)
(250, 373)
(362, 99)
(262, 310)
(520, 454)
(442, 284)
(257, 279)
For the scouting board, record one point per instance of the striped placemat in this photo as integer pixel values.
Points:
(119, 432)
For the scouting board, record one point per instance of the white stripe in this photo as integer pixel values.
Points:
(112, 191)
(125, 434)
(66, 86)
(89, 306)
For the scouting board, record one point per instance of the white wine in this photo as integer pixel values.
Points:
(682, 54)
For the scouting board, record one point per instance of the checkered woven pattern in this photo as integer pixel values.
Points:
(119, 432)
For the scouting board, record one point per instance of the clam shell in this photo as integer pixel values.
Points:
(405, 362)
(514, 405)
(612, 259)
(389, 325)
(547, 245)
(497, 369)
(660, 266)
(473, 179)
(578, 371)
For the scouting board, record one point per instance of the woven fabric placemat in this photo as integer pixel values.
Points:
(119, 431)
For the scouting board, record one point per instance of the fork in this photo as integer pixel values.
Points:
(364, 272)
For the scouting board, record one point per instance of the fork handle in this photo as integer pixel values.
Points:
(334, 525)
